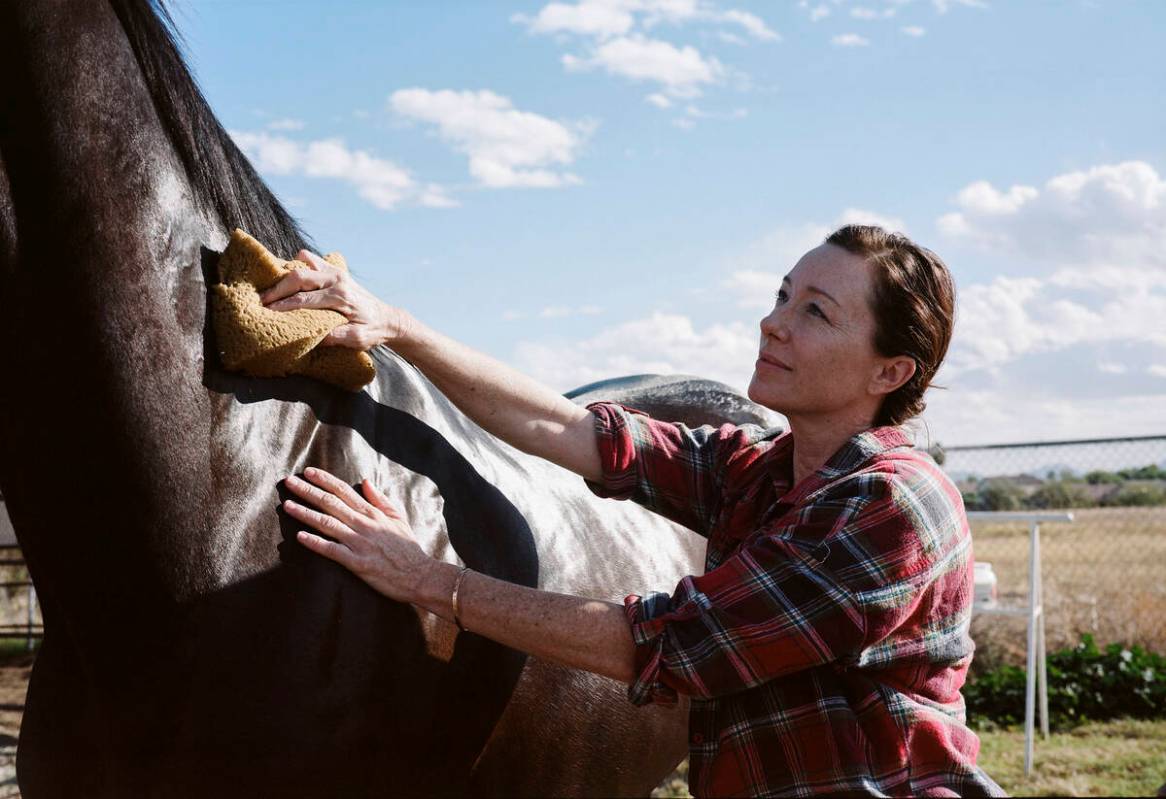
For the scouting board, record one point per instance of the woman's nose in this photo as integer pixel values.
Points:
(773, 325)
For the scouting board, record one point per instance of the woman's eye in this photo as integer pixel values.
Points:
(779, 295)
(816, 310)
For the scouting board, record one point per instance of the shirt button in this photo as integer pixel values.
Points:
(697, 738)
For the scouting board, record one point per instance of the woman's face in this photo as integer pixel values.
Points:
(817, 351)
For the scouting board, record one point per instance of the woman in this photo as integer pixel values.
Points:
(824, 647)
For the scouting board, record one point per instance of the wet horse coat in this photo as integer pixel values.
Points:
(192, 647)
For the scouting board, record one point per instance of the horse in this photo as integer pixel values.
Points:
(191, 646)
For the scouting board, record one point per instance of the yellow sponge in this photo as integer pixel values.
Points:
(263, 343)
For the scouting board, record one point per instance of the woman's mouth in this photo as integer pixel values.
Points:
(769, 362)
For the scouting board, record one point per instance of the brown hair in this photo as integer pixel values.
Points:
(914, 309)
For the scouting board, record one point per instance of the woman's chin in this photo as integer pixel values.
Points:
(763, 395)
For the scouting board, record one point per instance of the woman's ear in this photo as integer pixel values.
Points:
(892, 373)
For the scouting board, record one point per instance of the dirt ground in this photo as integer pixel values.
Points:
(13, 686)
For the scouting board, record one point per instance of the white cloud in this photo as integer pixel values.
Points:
(608, 18)
(379, 181)
(285, 124)
(1156, 369)
(560, 311)
(819, 12)
(849, 40)
(658, 100)
(659, 344)
(614, 39)
(1091, 242)
(588, 18)
(506, 147)
(1007, 318)
(698, 113)
(913, 30)
(753, 25)
(943, 6)
(862, 12)
(1113, 213)
(680, 71)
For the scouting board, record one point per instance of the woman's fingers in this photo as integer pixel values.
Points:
(311, 259)
(299, 280)
(352, 335)
(378, 499)
(329, 549)
(337, 487)
(327, 501)
(329, 525)
(320, 299)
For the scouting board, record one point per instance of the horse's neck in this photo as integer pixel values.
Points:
(106, 423)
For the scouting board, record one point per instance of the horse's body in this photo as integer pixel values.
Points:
(191, 646)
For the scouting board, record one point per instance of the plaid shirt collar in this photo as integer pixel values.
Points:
(858, 450)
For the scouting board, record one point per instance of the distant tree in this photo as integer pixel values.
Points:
(999, 495)
(1151, 472)
(937, 452)
(1102, 477)
(1136, 496)
(1060, 494)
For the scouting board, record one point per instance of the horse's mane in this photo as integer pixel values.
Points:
(224, 182)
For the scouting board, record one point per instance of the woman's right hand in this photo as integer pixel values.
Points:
(324, 286)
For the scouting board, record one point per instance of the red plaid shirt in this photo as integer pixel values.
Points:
(826, 643)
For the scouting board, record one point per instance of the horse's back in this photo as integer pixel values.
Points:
(694, 401)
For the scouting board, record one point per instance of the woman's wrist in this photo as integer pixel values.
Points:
(397, 326)
(434, 588)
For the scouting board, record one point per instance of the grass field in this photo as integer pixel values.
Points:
(1118, 758)
(1103, 574)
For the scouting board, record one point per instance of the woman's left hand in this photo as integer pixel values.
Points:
(369, 537)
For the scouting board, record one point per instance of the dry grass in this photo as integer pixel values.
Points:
(1103, 574)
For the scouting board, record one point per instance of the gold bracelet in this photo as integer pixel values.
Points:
(457, 584)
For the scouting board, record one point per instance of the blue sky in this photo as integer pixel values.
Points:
(587, 189)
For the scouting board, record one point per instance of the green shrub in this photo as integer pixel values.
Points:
(1151, 472)
(1060, 494)
(1100, 476)
(997, 495)
(1136, 496)
(1085, 684)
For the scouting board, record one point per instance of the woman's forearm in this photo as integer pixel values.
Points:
(519, 410)
(581, 633)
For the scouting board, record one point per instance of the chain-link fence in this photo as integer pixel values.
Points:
(1103, 573)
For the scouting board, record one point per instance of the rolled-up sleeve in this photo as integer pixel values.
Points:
(667, 467)
(777, 606)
